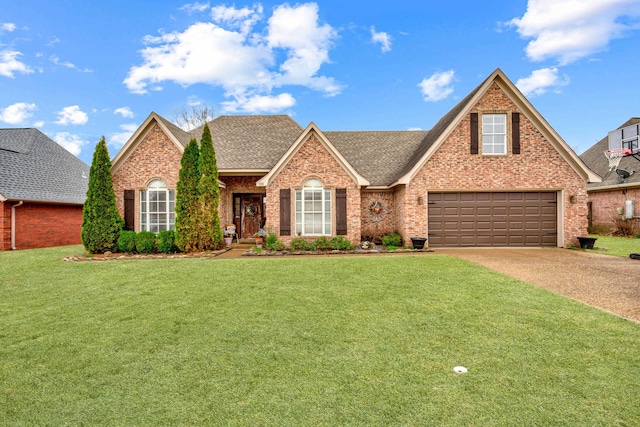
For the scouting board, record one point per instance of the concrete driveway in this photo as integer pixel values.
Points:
(604, 281)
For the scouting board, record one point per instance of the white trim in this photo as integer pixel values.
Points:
(2, 198)
(624, 186)
(312, 129)
(527, 109)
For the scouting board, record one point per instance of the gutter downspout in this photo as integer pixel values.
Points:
(13, 224)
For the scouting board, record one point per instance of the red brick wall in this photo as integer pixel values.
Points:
(314, 161)
(604, 204)
(538, 167)
(5, 226)
(40, 225)
(155, 157)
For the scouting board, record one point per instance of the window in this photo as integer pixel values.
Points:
(157, 207)
(494, 134)
(313, 209)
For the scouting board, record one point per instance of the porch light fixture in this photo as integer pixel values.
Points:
(573, 199)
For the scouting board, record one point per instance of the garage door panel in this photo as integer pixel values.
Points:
(493, 219)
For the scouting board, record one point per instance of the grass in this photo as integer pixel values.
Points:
(303, 341)
(617, 246)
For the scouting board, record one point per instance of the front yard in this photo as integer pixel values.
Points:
(303, 341)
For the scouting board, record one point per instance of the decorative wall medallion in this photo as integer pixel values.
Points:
(376, 210)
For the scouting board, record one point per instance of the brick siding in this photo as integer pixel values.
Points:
(604, 204)
(539, 167)
(313, 160)
(40, 225)
(388, 223)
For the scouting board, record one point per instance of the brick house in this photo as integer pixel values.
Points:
(491, 172)
(42, 191)
(616, 189)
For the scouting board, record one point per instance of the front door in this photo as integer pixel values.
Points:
(251, 215)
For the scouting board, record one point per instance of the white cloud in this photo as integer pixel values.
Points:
(124, 112)
(195, 7)
(243, 60)
(17, 113)
(438, 86)
(72, 115)
(7, 26)
(10, 64)
(38, 124)
(383, 38)
(72, 143)
(573, 29)
(118, 139)
(67, 64)
(260, 104)
(540, 81)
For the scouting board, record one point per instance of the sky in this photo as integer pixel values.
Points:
(80, 70)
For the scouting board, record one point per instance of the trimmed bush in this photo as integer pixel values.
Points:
(340, 243)
(166, 242)
(146, 242)
(392, 239)
(272, 242)
(300, 244)
(321, 244)
(127, 241)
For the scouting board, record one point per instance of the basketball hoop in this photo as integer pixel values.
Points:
(614, 157)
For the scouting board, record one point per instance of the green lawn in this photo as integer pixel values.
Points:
(303, 341)
(618, 246)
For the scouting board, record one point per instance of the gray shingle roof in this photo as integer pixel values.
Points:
(379, 156)
(250, 142)
(35, 168)
(594, 158)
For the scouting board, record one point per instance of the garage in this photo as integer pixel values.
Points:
(492, 219)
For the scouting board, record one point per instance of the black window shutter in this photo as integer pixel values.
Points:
(515, 133)
(285, 212)
(129, 209)
(474, 133)
(341, 211)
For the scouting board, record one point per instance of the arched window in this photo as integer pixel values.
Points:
(313, 209)
(157, 207)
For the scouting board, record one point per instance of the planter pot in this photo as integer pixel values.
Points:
(587, 242)
(259, 241)
(418, 242)
(228, 240)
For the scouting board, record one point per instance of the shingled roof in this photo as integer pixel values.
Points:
(594, 158)
(36, 168)
(250, 142)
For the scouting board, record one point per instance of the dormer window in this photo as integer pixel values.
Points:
(494, 134)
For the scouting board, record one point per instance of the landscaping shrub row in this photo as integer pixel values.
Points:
(147, 242)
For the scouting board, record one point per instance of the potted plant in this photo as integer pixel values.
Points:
(228, 236)
(260, 237)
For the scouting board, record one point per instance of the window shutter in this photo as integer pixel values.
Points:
(285, 212)
(515, 133)
(341, 211)
(129, 209)
(474, 133)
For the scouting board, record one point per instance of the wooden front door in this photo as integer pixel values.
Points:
(251, 215)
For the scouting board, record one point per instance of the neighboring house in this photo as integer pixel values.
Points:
(491, 172)
(606, 197)
(42, 191)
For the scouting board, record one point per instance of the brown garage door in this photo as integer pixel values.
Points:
(492, 219)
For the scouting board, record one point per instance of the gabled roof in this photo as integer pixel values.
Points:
(312, 129)
(449, 121)
(594, 158)
(250, 142)
(35, 168)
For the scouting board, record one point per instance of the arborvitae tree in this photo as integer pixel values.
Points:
(209, 195)
(101, 222)
(187, 205)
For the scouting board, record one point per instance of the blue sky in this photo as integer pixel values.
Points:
(78, 70)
